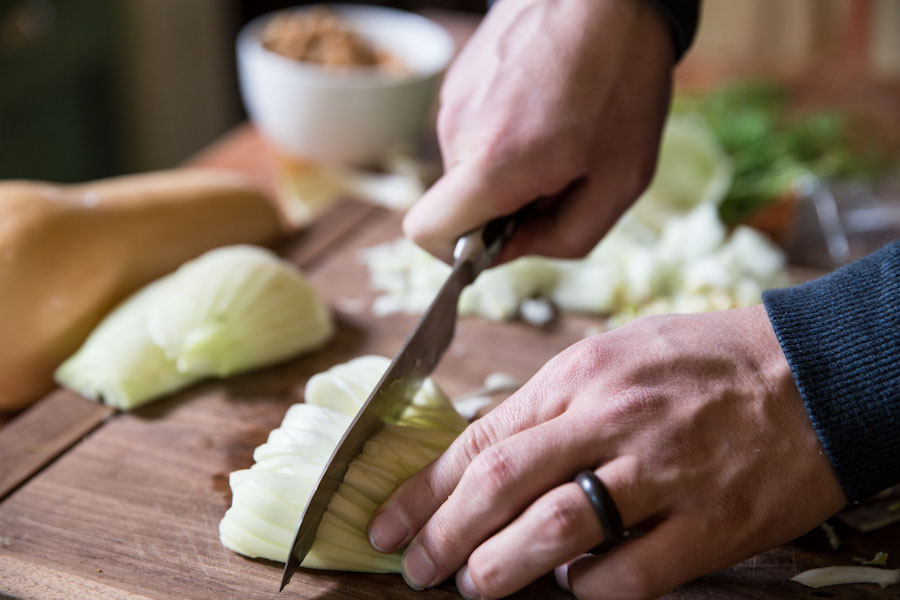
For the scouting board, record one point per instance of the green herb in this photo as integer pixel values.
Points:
(771, 148)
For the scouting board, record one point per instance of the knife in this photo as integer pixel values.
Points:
(417, 358)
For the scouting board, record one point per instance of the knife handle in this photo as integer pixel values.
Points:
(482, 246)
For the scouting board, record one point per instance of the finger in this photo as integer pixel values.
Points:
(556, 528)
(567, 225)
(647, 567)
(543, 398)
(469, 195)
(477, 189)
(410, 506)
(497, 485)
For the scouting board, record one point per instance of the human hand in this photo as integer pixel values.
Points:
(692, 422)
(549, 97)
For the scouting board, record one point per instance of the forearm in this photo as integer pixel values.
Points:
(840, 336)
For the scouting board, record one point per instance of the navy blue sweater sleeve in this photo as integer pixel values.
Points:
(682, 16)
(841, 336)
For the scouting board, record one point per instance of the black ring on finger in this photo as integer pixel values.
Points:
(606, 509)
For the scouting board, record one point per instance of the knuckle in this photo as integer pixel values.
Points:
(487, 574)
(425, 493)
(579, 363)
(658, 330)
(417, 498)
(444, 543)
(501, 141)
(492, 471)
(446, 534)
(477, 438)
(564, 519)
(591, 352)
(636, 402)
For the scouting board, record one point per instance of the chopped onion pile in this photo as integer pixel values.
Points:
(670, 253)
(308, 189)
(232, 309)
(270, 496)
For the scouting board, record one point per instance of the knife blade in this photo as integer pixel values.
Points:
(417, 358)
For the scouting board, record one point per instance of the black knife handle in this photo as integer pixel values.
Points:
(483, 245)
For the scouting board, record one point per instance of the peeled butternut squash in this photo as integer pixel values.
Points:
(68, 253)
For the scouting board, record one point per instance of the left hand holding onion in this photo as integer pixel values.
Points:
(694, 425)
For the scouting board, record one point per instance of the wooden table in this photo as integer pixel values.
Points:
(108, 505)
(99, 504)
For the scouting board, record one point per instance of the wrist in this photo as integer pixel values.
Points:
(769, 364)
(777, 380)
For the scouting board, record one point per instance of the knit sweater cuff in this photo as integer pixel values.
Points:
(841, 336)
(682, 16)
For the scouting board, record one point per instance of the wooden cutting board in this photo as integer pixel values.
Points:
(98, 504)
(131, 510)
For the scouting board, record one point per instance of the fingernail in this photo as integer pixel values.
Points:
(465, 586)
(418, 570)
(389, 530)
(562, 576)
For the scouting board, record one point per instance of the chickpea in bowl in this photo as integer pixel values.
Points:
(347, 84)
(319, 36)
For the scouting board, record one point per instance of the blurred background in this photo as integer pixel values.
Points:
(95, 88)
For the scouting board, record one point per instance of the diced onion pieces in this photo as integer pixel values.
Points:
(669, 253)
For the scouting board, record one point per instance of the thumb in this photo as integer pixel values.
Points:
(466, 197)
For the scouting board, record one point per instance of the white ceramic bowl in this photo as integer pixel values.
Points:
(352, 116)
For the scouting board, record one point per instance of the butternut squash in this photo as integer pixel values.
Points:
(68, 253)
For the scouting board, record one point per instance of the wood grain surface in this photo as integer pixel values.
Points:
(139, 500)
(96, 504)
(38, 436)
(132, 510)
